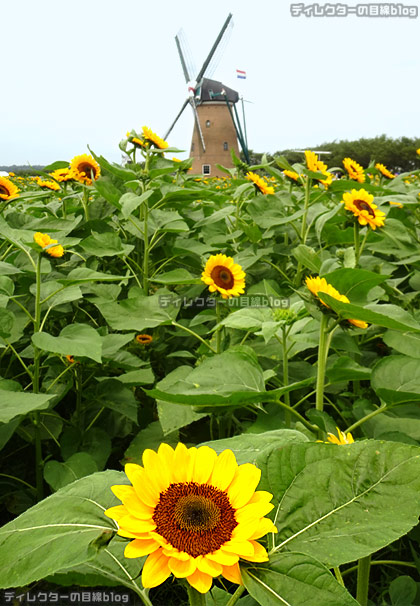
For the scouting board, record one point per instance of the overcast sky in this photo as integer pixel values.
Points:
(85, 72)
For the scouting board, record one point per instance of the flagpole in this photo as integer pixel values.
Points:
(243, 115)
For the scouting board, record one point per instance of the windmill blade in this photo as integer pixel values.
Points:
(185, 55)
(197, 122)
(181, 56)
(219, 52)
(177, 118)
(213, 49)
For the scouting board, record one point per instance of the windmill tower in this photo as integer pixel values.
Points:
(217, 128)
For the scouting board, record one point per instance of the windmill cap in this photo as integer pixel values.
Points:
(212, 90)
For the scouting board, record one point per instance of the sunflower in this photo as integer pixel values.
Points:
(83, 167)
(221, 273)
(144, 339)
(360, 203)
(383, 169)
(8, 190)
(260, 183)
(194, 513)
(316, 166)
(62, 174)
(153, 138)
(291, 174)
(45, 240)
(418, 151)
(48, 184)
(343, 438)
(320, 285)
(354, 170)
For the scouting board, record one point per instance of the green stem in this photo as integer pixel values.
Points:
(302, 419)
(303, 233)
(79, 384)
(6, 475)
(95, 418)
(363, 571)
(235, 597)
(146, 248)
(356, 243)
(338, 575)
(283, 341)
(195, 597)
(367, 417)
(85, 203)
(194, 334)
(324, 343)
(35, 387)
(219, 328)
(363, 241)
(382, 563)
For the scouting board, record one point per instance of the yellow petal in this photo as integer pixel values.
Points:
(208, 566)
(147, 492)
(183, 463)
(155, 570)
(200, 581)
(232, 573)
(261, 495)
(253, 512)
(223, 557)
(260, 554)
(243, 532)
(134, 505)
(224, 470)
(116, 513)
(182, 568)
(244, 484)
(129, 522)
(264, 526)
(139, 547)
(203, 465)
(241, 548)
(156, 470)
(166, 453)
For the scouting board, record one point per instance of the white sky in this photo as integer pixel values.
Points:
(87, 71)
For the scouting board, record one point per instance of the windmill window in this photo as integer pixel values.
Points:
(206, 169)
(208, 123)
(225, 146)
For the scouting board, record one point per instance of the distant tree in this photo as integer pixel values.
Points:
(398, 155)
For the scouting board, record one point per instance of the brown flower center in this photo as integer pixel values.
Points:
(194, 518)
(4, 191)
(362, 205)
(86, 168)
(222, 277)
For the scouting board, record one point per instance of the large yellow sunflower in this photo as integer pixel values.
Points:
(149, 135)
(354, 170)
(44, 240)
(48, 184)
(260, 183)
(194, 513)
(360, 203)
(62, 174)
(221, 273)
(8, 190)
(383, 169)
(84, 167)
(319, 285)
(317, 166)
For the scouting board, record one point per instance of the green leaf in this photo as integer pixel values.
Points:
(249, 447)
(294, 579)
(268, 212)
(307, 257)
(355, 284)
(407, 343)
(176, 276)
(346, 369)
(79, 465)
(397, 379)
(107, 189)
(112, 394)
(140, 312)
(131, 201)
(233, 378)
(107, 244)
(366, 495)
(389, 316)
(55, 166)
(7, 320)
(75, 339)
(59, 532)
(249, 318)
(150, 437)
(402, 591)
(81, 275)
(14, 403)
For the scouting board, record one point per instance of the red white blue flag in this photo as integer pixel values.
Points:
(240, 74)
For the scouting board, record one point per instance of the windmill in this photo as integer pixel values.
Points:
(217, 127)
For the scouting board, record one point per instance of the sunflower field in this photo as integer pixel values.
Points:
(210, 388)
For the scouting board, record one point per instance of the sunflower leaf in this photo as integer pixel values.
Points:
(366, 496)
(396, 379)
(294, 579)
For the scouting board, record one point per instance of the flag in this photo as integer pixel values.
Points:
(240, 74)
